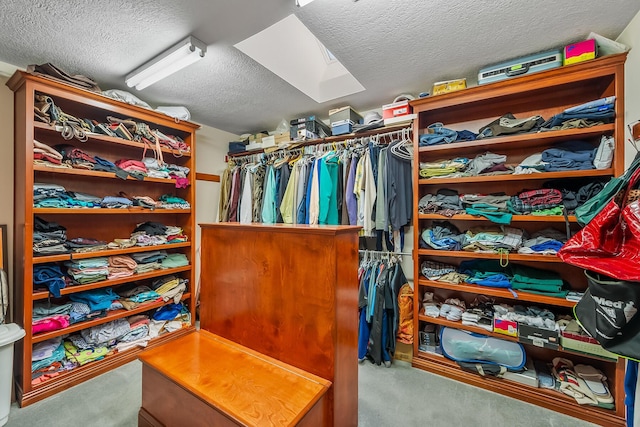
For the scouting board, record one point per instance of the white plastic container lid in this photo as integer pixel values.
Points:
(10, 333)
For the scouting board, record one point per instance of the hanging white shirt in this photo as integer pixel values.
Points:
(246, 207)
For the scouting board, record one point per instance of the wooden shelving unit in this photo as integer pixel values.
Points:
(545, 93)
(102, 224)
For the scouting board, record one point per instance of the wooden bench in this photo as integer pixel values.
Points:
(202, 379)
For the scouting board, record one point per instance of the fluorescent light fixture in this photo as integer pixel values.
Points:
(179, 56)
(301, 3)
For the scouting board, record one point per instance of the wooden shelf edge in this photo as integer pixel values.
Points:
(487, 255)
(535, 137)
(108, 252)
(114, 315)
(596, 68)
(536, 396)
(40, 295)
(543, 176)
(498, 292)
(98, 174)
(515, 218)
(91, 370)
(105, 211)
(112, 140)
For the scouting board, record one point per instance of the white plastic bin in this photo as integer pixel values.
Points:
(9, 334)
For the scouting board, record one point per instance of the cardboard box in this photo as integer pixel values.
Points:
(403, 352)
(579, 52)
(449, 86)
(401, 108)
(344, 113)
(268, 141)
(505, 327)
(282, 138)
(537, 336)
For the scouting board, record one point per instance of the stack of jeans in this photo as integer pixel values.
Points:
(48, 238)
(601, 110)
(569, 155)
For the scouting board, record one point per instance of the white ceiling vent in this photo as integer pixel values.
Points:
(289, 50)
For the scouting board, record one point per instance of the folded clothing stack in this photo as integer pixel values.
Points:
(90, 270)
(48, 237)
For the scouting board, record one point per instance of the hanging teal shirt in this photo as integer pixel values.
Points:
(328, 191)
(269, 212)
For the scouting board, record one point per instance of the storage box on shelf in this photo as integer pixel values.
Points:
(545, 93)
(105, 224)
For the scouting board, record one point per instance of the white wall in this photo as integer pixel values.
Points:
(631, 37)
(6, 170)
(211, 148)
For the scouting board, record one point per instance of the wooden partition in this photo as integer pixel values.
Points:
(291, 293)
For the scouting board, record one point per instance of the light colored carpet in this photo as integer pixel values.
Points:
(395, 396)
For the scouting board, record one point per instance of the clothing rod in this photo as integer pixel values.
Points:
(384, 252)
(314, 143)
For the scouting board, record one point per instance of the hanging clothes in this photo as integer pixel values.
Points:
(363, 183)
(379, 286)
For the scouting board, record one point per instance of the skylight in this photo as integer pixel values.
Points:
(289, 50)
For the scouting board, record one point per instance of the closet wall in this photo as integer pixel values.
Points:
(631, 37)
(6, 170)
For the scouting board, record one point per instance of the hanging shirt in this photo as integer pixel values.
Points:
(329, 184)
(283, 181)
(287, 205)
(350, 194)
(246, 203)
(308, 196)
(399, 189)
(381, 205)
(358, 190)
(269, 202)
(325, 188)
(301, 185)
(235, 195)
(314, 197)
(258, 186)
(225, 193)
(369, 186)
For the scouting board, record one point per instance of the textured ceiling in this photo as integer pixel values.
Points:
(390, 46)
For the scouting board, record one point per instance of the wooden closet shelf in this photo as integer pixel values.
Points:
(515, 218)
(519, 177)
(105, 211)
(112, 315)
(39, 295)
(97, 174)
(95, 137)
(458, 325)
(108, 252)
(498, 292)
(522, 140)
(109, 362)
(485, 255)
(551, 399)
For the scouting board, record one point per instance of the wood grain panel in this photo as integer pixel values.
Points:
(289, 292)
(238, 387)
